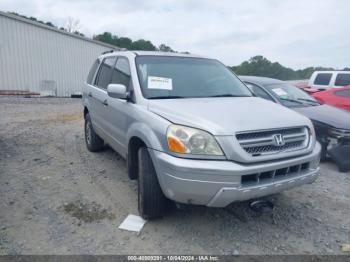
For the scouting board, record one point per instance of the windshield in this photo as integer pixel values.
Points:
(183, 77)
(290, 95)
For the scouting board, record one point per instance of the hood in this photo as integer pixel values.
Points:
(327, 114)
(228, 115)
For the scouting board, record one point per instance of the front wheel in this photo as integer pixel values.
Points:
(324, 147)
(151, 201)
(93, 142)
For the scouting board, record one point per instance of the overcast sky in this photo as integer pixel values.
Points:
(293, 32)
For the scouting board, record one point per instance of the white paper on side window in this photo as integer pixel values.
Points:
(280, 92)
(155, 82)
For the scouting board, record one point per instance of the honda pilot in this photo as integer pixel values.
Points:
(192, 132)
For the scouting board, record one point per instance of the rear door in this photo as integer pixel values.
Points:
(88, 89)
(98, 95)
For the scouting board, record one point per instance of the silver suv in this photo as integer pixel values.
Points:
(192, 132)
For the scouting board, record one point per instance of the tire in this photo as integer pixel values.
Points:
(93, 142)
(324, 152)
(151, 201)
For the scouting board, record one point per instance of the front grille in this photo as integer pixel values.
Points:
(273, 175)
(264, 142)
(339, 133)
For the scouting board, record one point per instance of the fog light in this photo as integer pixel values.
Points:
(315, 163)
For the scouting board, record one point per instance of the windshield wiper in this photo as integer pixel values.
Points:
(308, 100)
(291, 100)
(165, 97)
(229, 95)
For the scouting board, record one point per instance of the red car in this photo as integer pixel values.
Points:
(304, 86)
(338, 97)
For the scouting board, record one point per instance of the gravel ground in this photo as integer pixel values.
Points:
(58, 198)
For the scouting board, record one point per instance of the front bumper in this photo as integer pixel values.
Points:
(219, 183)
(338, 137)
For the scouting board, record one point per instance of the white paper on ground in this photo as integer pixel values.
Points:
(132, 223)
(155, 82)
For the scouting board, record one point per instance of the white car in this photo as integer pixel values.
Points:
(329, 79)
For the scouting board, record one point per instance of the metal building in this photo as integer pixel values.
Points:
(39, 58)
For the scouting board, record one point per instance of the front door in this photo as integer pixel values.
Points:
(119, 113)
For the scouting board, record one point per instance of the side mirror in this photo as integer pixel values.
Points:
(117, 91)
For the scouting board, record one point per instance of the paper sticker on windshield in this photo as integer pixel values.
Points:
(280, 92)
(155, 82)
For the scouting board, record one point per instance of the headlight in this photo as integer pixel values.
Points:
(312, 131)
(187, 140)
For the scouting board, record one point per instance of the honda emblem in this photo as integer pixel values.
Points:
(278, 140)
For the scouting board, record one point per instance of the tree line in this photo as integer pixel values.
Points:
(255, 66)
(261, 66)
(127, 43)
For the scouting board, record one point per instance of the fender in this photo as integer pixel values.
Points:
(147, 135)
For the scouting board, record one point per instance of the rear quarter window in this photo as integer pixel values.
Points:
(323, 79)
(342, 79)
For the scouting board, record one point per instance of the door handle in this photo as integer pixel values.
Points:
(90, 94)
(105, 102)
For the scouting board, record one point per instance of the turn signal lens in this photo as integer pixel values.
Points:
(176, 145)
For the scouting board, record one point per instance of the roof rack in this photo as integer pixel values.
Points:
(109, 51)
(114, 50)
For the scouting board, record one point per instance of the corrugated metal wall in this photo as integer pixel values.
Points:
(38, 59)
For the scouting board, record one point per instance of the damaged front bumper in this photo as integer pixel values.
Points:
(337, 138)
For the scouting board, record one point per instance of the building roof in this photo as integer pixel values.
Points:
(54, 29)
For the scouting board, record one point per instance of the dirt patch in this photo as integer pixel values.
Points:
(63, 118)
(87, 212)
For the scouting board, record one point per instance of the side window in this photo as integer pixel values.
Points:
(121, 72)
(92, 72)
(258, 91)
(104, 74)
(323, 79)
(342, 80)
(343, 93)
